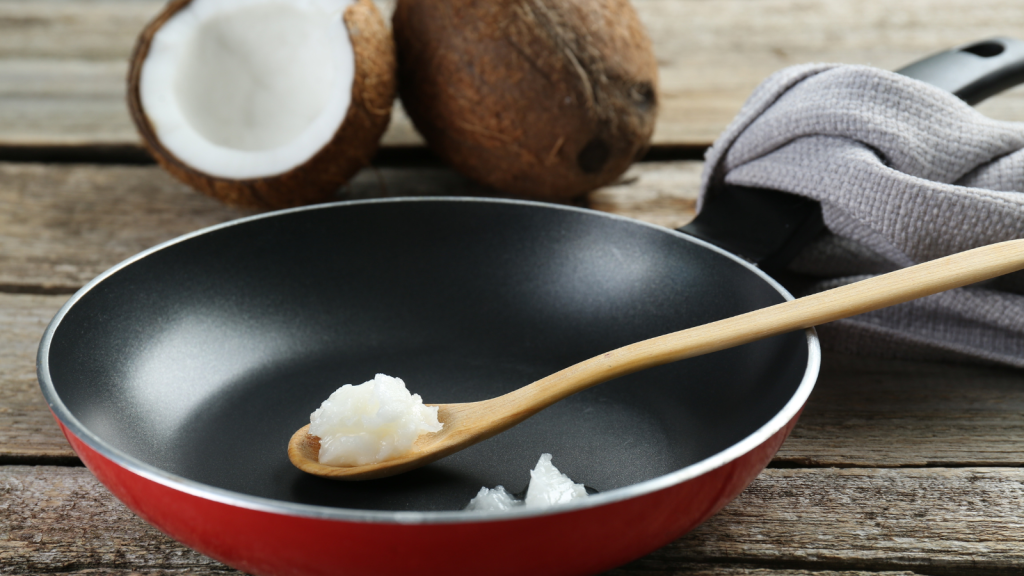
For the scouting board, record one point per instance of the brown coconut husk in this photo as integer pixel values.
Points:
(318, 179)
(543, 99)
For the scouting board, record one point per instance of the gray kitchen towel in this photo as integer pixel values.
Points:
(905, 172)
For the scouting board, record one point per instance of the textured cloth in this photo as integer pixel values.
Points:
(905, 172)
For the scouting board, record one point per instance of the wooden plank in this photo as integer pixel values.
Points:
(686, 570)
(56, 519)
(836, 522)
(713, 54)
(863, 412)
(933, 521)
(892, 413)
(662, 193)
(63, 62)
(73, 29)
(213, 570)
(60, 226)
(27, 430)
(716, 570)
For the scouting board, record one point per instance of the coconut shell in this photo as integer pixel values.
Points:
(318, 179)
(542, 99)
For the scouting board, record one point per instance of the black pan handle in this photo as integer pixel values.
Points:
(975, 71)
(769, 227)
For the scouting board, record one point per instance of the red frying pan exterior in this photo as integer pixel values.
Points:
(265, 542)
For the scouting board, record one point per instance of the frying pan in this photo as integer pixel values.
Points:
(179, 375)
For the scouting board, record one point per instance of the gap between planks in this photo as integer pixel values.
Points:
(390, 157)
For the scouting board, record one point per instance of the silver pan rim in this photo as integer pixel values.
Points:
(757, 438)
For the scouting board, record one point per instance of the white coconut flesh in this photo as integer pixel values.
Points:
(249, 88)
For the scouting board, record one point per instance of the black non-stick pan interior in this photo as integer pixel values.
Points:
(201, 358)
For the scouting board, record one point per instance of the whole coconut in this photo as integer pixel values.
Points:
(544, 99)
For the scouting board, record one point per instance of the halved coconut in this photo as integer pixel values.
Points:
(546, 99)
(263, 103)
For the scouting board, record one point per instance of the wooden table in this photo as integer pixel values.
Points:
(896, 467)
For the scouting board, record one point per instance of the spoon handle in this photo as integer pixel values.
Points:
(879, 292)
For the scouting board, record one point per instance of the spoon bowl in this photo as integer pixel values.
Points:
(304, 448)
(469, 423)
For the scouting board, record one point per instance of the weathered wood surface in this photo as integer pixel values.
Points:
(662, 193)
(841, 522)
(705, 570)
(720, 569)
(934, 521)
(716, 569)
(60, 226)
(910, 440)
(863, 412)
(27, 430)
(880, 413)
(63, 63)
(61, 519)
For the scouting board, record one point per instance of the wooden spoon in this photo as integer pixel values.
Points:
(469, 423)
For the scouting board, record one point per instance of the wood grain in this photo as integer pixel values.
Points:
(863, 412)
(56, 519)
(685, 570)
(63, 63)
(889, 509)
(713, 54)
(60, 226)
(935, 521)
(662, 193)
(27, 430)
(814, 522)
(642, 568)
(885, 413)
(212, 570)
